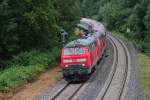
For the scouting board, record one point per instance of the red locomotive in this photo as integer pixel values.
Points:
(80, 57)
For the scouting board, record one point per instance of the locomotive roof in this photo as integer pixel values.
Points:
(86, 41)
(97, 34)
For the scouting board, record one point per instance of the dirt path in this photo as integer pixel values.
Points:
(30, 90)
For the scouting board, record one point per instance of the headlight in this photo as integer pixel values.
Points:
(81, 60)
(66, 66)
(67, 61)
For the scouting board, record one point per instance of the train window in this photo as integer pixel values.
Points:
(79, 50)
(92, 46)
(95, 43)
(68, 51)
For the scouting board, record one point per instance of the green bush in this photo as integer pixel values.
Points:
(15, 75)
(26, 65)
(35, 57)
(145, 44)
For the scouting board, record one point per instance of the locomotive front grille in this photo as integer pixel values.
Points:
(74, 72)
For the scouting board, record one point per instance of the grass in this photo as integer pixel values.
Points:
(24, 66)
(145, 73)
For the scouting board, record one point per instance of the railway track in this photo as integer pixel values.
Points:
(67, 92)
(115, 87)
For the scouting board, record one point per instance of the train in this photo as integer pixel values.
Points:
(79, 57)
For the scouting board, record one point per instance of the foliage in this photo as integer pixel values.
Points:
(145, 45)
(15, 75)
(123, 15)
(28, 36)
(24, 66)
(147, 19)
(26, 24)
(69, 13)
(33, 24)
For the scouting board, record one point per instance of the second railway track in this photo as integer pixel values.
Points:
(114, 88)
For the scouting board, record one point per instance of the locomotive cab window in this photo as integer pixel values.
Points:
(68, 51)
(93, 46)
(71, 51)
(79, 50)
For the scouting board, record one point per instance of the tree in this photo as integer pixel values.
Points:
(8, 35)
(69, 13)
(27, 24)
(120, 15)
(147, 20)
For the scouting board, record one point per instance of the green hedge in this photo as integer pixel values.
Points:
(26, 65)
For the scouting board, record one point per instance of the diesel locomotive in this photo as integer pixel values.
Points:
(80, 57)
